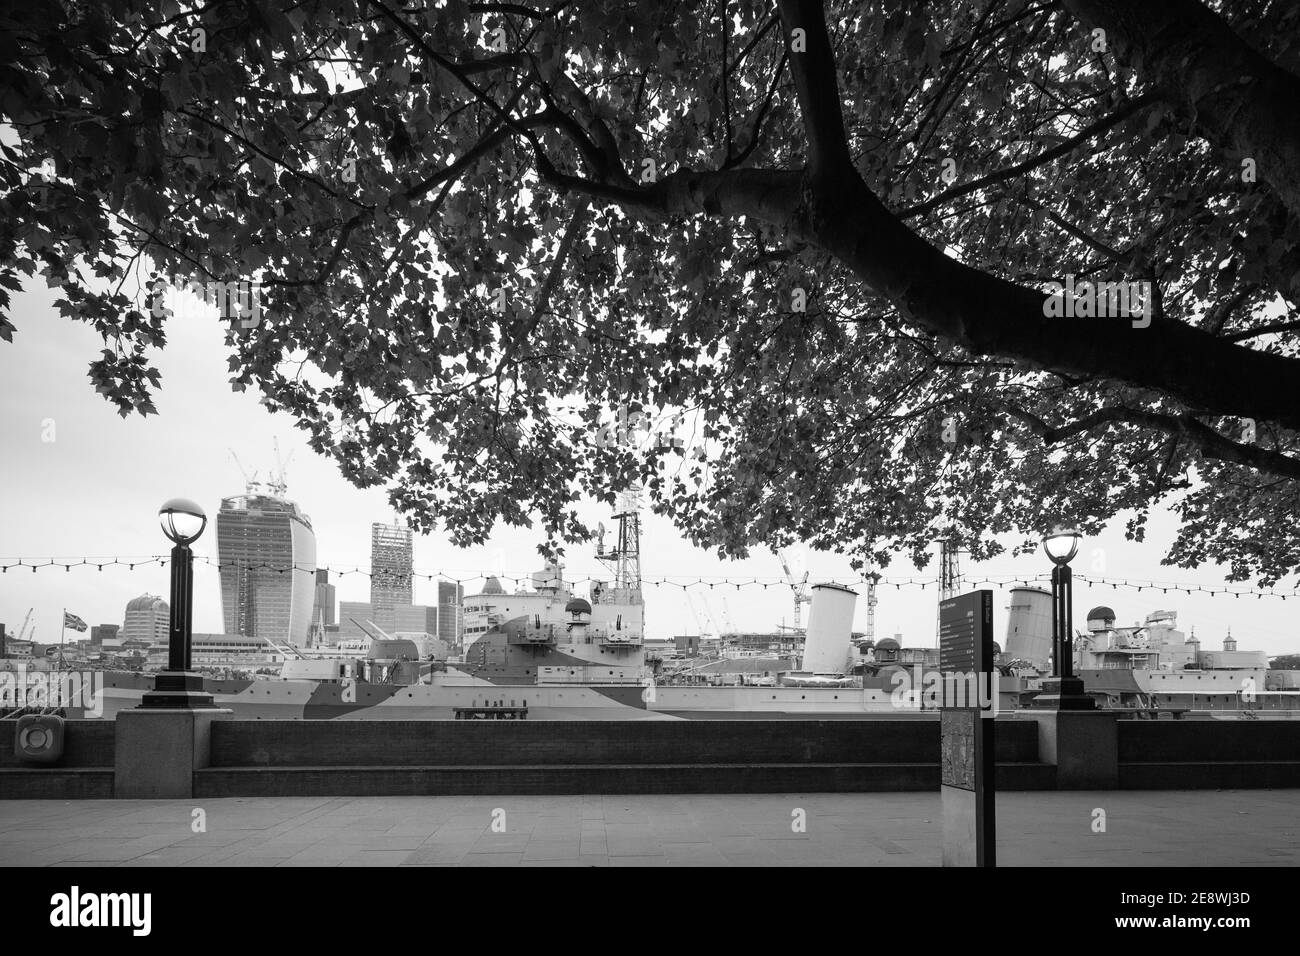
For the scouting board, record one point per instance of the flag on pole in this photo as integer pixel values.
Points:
(74, 622)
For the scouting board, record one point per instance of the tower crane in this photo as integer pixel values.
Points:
(250, 481)
(279, 484)
(708, 611)
(699, 624)
(800, 589)
(726, 617)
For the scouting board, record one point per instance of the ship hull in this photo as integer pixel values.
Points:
(321, 700)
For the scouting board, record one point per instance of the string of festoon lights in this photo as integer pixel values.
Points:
(463, 576)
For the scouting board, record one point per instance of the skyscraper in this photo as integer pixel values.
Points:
(391, 561)
(451, 623)
(267, 552)
(326, 599)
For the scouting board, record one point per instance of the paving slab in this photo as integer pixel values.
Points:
(1142, 828)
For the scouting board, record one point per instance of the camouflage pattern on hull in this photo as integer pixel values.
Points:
(322, 700)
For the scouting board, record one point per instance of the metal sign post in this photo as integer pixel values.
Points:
(969, 703)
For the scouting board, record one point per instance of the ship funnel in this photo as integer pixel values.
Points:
(1029, 627)
(829, 637)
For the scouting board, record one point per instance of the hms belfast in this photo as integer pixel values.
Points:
(548, 653)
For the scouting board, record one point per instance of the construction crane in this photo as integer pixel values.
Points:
(250, 482)
(22, 631)
(726, 617)
(699, 624)
(278, 483)
(708, 610)
(800, 589)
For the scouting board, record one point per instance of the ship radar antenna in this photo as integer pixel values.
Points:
(624, 559)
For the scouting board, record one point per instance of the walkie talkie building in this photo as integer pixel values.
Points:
(267, 552)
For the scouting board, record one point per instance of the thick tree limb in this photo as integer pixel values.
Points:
(989, 315)
(815, 83)
(771, 195)
(830, 207)
(1268, 329)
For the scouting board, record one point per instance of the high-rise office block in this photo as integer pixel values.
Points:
(391, 561)
(267, 552)
(451, 622)
(326, 599)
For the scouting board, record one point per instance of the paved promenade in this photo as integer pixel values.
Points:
(1182, 828)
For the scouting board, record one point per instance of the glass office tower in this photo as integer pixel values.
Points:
(267, 552)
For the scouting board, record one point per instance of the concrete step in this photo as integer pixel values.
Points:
(287, 743)
(56, 783)
(589, 779)
(1208, 775)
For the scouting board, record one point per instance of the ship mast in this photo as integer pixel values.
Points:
(624, 559)
(871, 579)
(949, 577)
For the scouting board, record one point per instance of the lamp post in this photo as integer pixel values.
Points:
(183, 522)
(1064, 691)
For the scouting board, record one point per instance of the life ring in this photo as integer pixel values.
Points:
(38, 738)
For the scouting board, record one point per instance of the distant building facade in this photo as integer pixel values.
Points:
(104, 632)
(404, 618)
(391, 565)
(267, 554)
(232, 650)
(415, 618)
(353, 614)
(451, 617)
(326, 600)
(147, 621)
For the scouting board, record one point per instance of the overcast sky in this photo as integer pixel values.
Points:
(95, 491)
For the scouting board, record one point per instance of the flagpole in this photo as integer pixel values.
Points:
(62, 631)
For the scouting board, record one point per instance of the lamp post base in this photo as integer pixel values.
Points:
(177, 690)
(1064, 693)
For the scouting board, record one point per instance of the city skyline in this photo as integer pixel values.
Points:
(138, 463)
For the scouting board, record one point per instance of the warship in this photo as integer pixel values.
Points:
(546, 652)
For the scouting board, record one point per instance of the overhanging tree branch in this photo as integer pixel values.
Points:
(813, 67)
(1130, 108)
(1235, 96)
(1205, 439)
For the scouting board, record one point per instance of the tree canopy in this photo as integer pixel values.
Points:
(813, 244)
